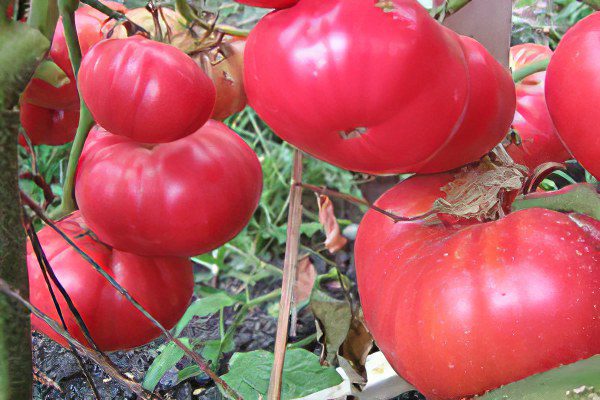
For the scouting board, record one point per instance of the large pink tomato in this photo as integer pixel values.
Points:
(162, 285)
(181, 198)
(361, 86)
(489, 112)
(145, 90)
(461, 310)
(269, 3)
(46, 126)
(539, 140)
(573, 92)
(43, 94)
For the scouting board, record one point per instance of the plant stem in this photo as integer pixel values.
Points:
(190, 15)
(454, 6)
(43, 15)
(21, 50)
(289, 276)
(67, 204)
(530, 69)
(304, 342)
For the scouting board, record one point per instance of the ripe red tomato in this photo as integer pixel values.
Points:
(42, 94)
(363, 87)
(539, 140)
(47, 126)
(181, 198)
(145, 90)
(162, 285)
(573, 91)
(228, 77)
(269, 3)
(490, 110)
(461, 310)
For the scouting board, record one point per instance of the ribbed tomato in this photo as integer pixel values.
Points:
(371, 87)
(43, 94)
(145, 90)
(573, 91)
(181, 198)
(539, 140)
(162, 285)
(489, 112)
(461, 310)
(269, 3)
(46, 126)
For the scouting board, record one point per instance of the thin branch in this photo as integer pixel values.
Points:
(194, 356)
(98, 358)
(363, 202)
(595, 4)
(289, 275)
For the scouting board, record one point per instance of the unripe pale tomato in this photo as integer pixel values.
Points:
(43, 94)
(181, 198)
(459, 310)
(162, 285)
(269, 3)
(539, 140)
(573, 92)
(365, 86)
(227, 73)
(47, 126)
(145, 90)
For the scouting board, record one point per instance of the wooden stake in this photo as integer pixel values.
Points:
(289, 276)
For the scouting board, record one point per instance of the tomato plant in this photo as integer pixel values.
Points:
(319, 75)
(181, 198)
(573, 91)
(539, 141)
(47, 126)
(145, 90)
(459, 310)
(162, 285)
(269, 3)
(43, 94)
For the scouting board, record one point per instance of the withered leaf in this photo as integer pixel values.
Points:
(334, 240)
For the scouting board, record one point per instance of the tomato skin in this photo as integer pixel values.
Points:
(458, 311)
(269, 3)
(162, 285)
(573, 91)
(157, 93)
(47, 126)
(181, 198)
(539, 140)
(43, 94)
(325, 67)
(489, 113)
(228, 77)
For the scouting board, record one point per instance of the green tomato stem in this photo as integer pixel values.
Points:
(190, 15)
(530, 69)
(595, 4)
(580, 198)
(67, 204)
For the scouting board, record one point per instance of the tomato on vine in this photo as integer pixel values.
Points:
(148, 91)
(47, 126)
(162, 285)
(462, 308)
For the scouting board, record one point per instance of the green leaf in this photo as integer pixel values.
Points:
(166, 360)
(333, 315)
(577, 381)
(210, 353)
(21, 48)
(51, 73)
(249, 374)
(205, 307)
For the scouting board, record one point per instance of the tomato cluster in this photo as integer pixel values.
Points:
(157, 181)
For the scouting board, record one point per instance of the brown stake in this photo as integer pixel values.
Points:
(289, 275)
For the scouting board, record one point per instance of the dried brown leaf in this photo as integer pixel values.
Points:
(305, 280)
(334, 241)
